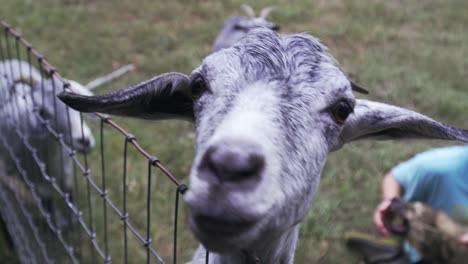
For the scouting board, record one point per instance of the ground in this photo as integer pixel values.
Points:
(408, 53)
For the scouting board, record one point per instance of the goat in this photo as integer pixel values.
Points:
(28, 90)
(236, 27)
(25, 95)
(267, 112)
(431, 231)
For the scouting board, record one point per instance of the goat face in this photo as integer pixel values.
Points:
(267, 111)
(271, 109)
(62, 119)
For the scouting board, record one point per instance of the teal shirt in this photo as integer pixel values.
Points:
(439, 178)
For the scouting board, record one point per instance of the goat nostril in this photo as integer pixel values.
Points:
(256, 163)
(85, 142)
(231, 163)
(248, 165)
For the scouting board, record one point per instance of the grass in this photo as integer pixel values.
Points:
(409, 53)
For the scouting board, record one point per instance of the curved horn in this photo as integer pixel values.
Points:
(266, 11)
(248, 10)
(165, 96)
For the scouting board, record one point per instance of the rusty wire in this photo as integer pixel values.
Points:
(88, 228)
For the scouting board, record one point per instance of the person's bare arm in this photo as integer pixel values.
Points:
(390, 189)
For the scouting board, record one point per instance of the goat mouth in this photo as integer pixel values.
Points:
(84, 149)
(218, 233)
(221, 226)
(399, 226)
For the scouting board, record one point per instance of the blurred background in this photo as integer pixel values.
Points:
(409, 53)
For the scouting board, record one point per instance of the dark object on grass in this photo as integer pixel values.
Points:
(376, 250)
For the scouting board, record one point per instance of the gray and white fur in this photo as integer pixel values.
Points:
(237, 27)
(267, 111)
(24, 94)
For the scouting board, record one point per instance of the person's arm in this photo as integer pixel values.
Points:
(390, 189)
(464, 239)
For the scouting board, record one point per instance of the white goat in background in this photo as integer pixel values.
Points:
(23, 89)
(24, 92)
(267, 112)
(237, 27)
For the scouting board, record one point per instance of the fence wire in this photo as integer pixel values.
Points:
(39, 196)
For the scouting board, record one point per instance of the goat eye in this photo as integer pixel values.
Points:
(238, 27)
(241, 28)
(341, 111)
(197, 86)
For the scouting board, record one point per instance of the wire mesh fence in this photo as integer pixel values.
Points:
(48, 190)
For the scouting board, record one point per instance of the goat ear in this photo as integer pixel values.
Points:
(372, 120)
(166, 96)
(358, 88)
(26, 80)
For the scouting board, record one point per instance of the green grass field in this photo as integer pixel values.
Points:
(408, 53)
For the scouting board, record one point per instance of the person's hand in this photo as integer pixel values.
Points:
(383, 215)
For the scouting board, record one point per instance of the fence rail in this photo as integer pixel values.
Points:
(12, 46)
